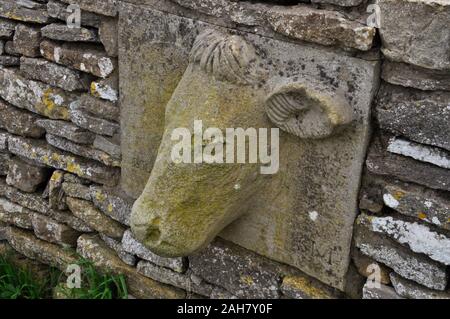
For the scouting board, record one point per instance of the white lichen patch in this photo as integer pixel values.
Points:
(419, 152)
(313, 215)
(390, 201)
(419, 238)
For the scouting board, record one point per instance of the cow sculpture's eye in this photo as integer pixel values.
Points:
(306, 113)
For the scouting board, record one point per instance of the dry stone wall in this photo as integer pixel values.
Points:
(60, 152)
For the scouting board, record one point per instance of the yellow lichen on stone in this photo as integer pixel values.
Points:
(248, 280)
(422, 215)
(306, 287)
(100, 196)
(398, 195)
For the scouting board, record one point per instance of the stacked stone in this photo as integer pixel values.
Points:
(405, 200)
(59, 132)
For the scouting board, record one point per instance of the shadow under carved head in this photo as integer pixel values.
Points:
(185, 205)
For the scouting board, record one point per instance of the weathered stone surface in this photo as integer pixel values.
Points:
(11, 213)
(411, 290)
(411, 76)
(172, 278)
(77, 190)
(418, 202)
(420, 152)
(33, 201)
(419, 238)
(107, 89)
(30, 12)
(56, 198)
(4, 163)
(407, 264)
(19, 122)
(100, 108)
(27, 244)
(416, 32)
(84, 57)
(420, 116)
(108, 33)
(343, 3)
(321, 26)
(131, 245)
(104, 7)
(41, 152)
(24, 176)
(92, 247)
(54, 74)
(49, 230)
(126, 257)
(86, 151)
(86, 120)
(27, 40)
(3, 141)
(67, 130)
(112, 203)
(278, 224)
(62, 32)
(69, 219)
(10, 49)
(9, 60)
(58, 10)
(381, 162)
(302, 287)
(241, 272)
(110, 145)
(94, 218)
(7, 28)
(366, 267)
(382, 292)
(34, 96)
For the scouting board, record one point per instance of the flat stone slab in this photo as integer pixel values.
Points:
(308, 222)
(32, 12)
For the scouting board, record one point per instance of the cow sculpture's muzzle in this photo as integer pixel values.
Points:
(185, 205)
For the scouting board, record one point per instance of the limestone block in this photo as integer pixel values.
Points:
(62, 32)
(87, 212)
(13, 214)
(34, 96)
(420, 116)
(108, 145)
(88, 58)
(416, 77)
(419, 238)
(56, 198)
(126, 257)
(411, 290)
(86, 151)
(112, 203)
(9, 60)
(27, 40)
(7, 28)
(100, 108)
(381, 162)
(4, 163)
(25, 176)
(50, 230)
(107, 89)
(87, 120)
(42, 153)
(67, 130)
(400, 259)
(31, 11)
(418, 202)
(382, 292)
(54, 74)
(366, 266)
(131, 245)
(20, 122)
(416, 32)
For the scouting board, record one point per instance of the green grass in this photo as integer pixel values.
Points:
(96, 285)
(21, 283)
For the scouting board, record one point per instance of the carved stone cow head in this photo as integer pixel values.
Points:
(226, 85)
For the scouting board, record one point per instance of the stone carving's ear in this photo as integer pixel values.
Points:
(307, 113)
